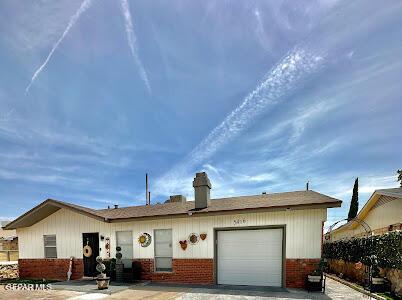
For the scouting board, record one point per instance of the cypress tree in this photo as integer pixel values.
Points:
(354, 203)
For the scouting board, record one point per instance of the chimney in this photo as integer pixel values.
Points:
(202, 187)
(177, 199)
(116, 206)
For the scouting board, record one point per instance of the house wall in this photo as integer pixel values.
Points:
(387, 212)
(6, 233)
(303, 237)
(10, 245)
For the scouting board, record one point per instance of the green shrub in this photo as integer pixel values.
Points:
(386, 248)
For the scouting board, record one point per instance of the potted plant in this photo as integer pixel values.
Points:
(377, 282)
(102, 280)
(314, 280)
(110, 271)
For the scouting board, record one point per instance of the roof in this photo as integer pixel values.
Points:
(393, 192)
(8, 238)
(298, 199)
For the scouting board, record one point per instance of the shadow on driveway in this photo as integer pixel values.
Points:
(205, 292)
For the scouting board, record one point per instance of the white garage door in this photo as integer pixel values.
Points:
(250, 257)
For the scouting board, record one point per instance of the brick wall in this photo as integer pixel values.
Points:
(297, 271)
(50, 268)
(197, 271)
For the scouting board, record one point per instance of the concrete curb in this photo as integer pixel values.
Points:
(356, 288)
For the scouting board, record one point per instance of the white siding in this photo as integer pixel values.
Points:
(378, 217)
(303, 232)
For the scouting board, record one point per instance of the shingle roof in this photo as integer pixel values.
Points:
(299, 199)
(263, 201)
(395, 192)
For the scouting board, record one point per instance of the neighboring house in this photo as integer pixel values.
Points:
(264, 240)
(8, 238)
(382, 213)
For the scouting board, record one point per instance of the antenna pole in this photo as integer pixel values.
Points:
(146, 189)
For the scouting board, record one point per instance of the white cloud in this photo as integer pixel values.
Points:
(368, 184)
(296, 66)
(84, 6)
(132, 42)
(42, 178)
(6, 116)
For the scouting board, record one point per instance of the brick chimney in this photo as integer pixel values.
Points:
(202, 187)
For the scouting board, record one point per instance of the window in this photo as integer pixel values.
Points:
(49, 242)
(163, 250)
(125, 241)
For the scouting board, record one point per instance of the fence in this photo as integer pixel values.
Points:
(9, 255)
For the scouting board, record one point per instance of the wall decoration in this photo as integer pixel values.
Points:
(87, 251)
(107, 246)
(193, 238)
(183, 244)
(145, 239)
(203, 236)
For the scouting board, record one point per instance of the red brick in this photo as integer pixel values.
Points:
(297, 271)
(198, 271)
(50, 268)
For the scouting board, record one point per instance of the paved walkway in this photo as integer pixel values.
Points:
(335, 291)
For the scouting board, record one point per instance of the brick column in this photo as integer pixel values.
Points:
(297, 271)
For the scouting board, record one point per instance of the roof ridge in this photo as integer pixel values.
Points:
(213, 199)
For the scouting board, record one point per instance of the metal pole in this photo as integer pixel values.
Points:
(146, 189)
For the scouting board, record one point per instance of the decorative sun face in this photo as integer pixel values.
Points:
(144, 239)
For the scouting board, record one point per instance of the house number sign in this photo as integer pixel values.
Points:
(239, 222)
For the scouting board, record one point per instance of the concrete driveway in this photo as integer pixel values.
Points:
(334, 290)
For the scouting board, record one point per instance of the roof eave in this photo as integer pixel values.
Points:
(18, 223)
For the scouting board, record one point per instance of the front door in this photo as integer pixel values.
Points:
(90, 244)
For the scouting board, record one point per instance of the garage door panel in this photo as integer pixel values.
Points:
(250, 257)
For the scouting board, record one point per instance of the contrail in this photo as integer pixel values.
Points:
(132, 42)
(84, 6)
(296, 66)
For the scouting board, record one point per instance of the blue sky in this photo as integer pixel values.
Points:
(263, 95)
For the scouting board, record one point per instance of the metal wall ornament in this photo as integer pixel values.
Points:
(203, 236)
(183, 244)
(193, 238)
(107, 246)
(145, 239)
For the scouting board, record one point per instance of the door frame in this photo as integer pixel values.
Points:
(283, 227)
(82, 243)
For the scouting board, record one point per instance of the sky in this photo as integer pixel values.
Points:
(262, 95)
